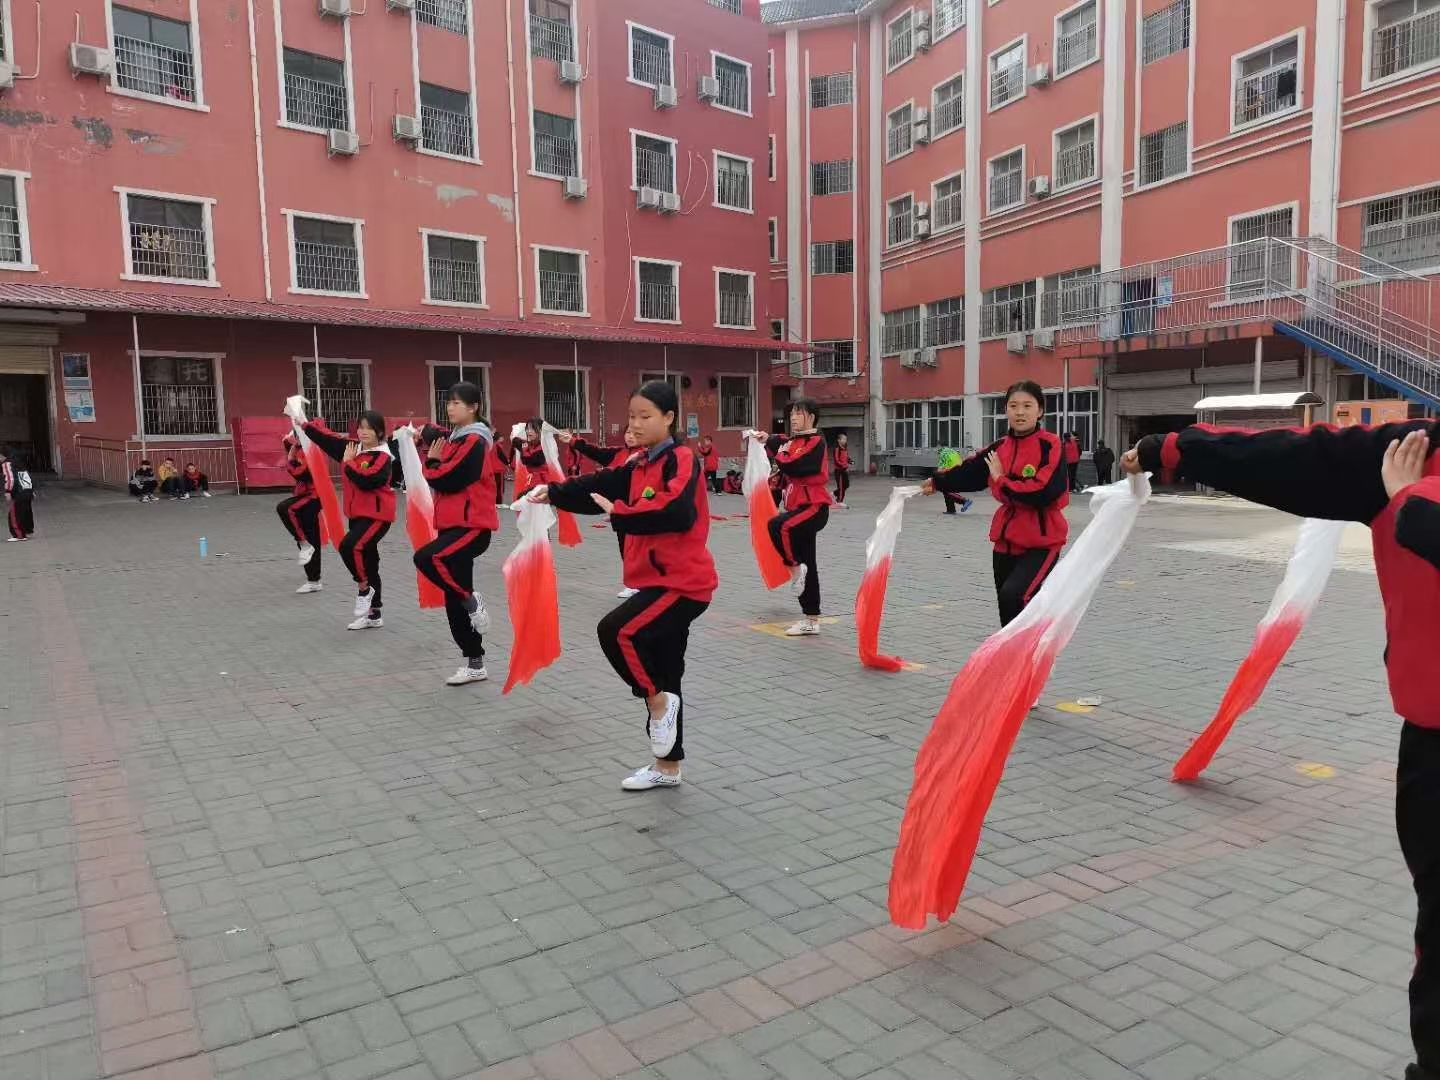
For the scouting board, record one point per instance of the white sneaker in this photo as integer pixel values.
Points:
(15, 540)
(479, 615)
(842, 506)
(309, 587)
(362, 603)
(664, 730)
(185, 496)
(625, 593)
(366, 623)
(466, 674)
(649, 777)
(797, 580)
(307, 552)
(206, 494)
(803, 628)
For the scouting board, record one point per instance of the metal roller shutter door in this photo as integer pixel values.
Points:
(24, 360)
(1157, 401)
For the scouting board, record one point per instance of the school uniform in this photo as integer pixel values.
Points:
(605, 457)
(300, 513)
(18, 484)
(1334, 473)
(502, 463)
(533, 458)
(662, 512)
(842, 472)
(462, 479)
(368, 502)
(710, 463)
(804, 465)
(1029, 528)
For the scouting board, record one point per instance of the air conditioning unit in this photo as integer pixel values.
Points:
(922, 229)
(927, 358)
(648, 198)
(1045, 339)
(1039, 186)
(665, 97)
(400, 5)
(922, 18)
(910, 358)
(922, 134)
(1039, 75)
(575, 187)
(922, 210)
(922, 115)
(707, 88)
(90, 59)
(922, 40)
(669, 202)
(340, 141)
(570, 72)
(1015, 343)
(339, 9)
(408, 129)
(7, 75)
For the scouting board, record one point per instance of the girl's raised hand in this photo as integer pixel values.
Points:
(436, 448)
(351, 449)
(992, 461)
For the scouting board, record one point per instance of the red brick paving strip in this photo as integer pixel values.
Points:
(143, 1006)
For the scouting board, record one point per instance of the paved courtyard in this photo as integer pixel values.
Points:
(239, 842)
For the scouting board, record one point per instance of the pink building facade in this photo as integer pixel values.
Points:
(1138, 204)
(204, 208)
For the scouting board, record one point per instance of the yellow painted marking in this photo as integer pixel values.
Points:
(777, 629)
(912, 665)
(933, 607)
(1126, 584)
(1315, 770)
(1074, 707)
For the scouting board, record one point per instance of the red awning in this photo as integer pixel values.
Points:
(64, 298)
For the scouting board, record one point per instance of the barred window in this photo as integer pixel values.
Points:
(1266, 82)
(1258, 266)
(455, 272)
(315, 95)
(1077, 42)
(948, 111)
(900, 36)
(1164, 153)
(945, 322)
(654, 163)
(342, 395)
(949, 209)
(562, 281)
(650, 59)
(737, 401)
(1166, 31)
(1071, 297)
(565, 398)
(659, 293)
(947, 423)
(12, 247)
(451, 15)
(153, 55)
(179, 395)
(556, 153)
(949, 15)
(168, 239)
(993, 421)
(833, 257)
(445, 121)
(1075, 155)
(1403, 230)
(327, 255)
(734, 79)
(551, 32)
(900, 131)
(1007, 181)
(1010, 309)
(772, 228)
(445, 376)
(1406, 36)
(831, 177)
(732, 182)
(907, 425)
(899, 221)
(838, 358)
(827, 90)
(901, 331)
(736, 299)
(1007, 74)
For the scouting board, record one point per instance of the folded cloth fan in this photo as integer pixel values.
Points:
(531, 595)
(332, 523)
(1305, 578)
(870, 599)
(756, 486)
(961, 761)
(569, 532)
(419, 511)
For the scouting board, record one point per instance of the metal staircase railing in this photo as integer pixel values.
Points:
(1364, 313)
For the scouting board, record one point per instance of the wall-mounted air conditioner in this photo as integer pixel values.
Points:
(665, 97)
(910, 358)
(1039, 186)
(576, 187)
(669, 202)
(90, 59)
(648, 198)
(399, 5)
(707, 88)
(927, 358)
(1044, 339)
(340, 141)
(339, 9)
(1015, 343)
(408, 129)
(1039, 75)
(570, 72)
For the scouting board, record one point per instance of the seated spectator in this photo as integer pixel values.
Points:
(169, 476)
(193, 480)
(142, 481)
(731, 483)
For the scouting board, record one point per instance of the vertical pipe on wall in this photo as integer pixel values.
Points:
(581, 407)
(139, 391)
(975, 86)
(1259, 362)
(514, 159)
(259, 152)
(315, 355)
(874, 188)
(460, 355)
(854, 215)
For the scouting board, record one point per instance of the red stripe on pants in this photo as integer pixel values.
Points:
(787, 548)
(444, 571)
(295, 518)
(626, 640)
(15, 529)
(361, 579)
(1039, 579)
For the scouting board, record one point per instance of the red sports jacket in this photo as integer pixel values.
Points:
(804, 461)
(298, 470)
(366, 490)
(842, 457)
(1334, 473)
(662, 512)
(463, 477)
(1033, 491)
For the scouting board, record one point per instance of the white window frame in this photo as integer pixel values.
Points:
(886, 133)
(718, 270)
(217, 359)
(113, 83)
(770, 72)
(303, 362)
(483, 382)
(958, 174)
(749, 377)
(630, 28)
(935, 21)
(1057, 75)
(991, 211)
(474, 158)
(22, 210)
(8, 52)
(1093, 118)
(935, 133)
(284, 121)
(1368, 59)
(1024, 42)
(1426, 269)
(1294, 207)
(910, 14)
(207, 222)
(715, 58)
(771, 162)
(635, 172)
(834, 245)
(1140, 184)
(479, 241)
(773, 240)
(569, 369)
(673, 264)
(888, 204)
(584, 254)
(716, 155)
(358, 223)
(1237, 59)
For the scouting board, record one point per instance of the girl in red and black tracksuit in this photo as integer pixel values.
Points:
(709, 462)
(1026, 472)
(369, 505)
(656, 500)
(1388, 478)
(502, 463)
(460, 469)
(803, 460)
(531, 454)
(300, 514)
(606, 457)
(842, 468)
(18, 489)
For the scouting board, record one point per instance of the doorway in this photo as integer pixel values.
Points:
(25, 420)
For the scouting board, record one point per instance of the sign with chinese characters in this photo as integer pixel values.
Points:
(80, 404)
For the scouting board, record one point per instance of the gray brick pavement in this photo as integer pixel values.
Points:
(319, 862)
